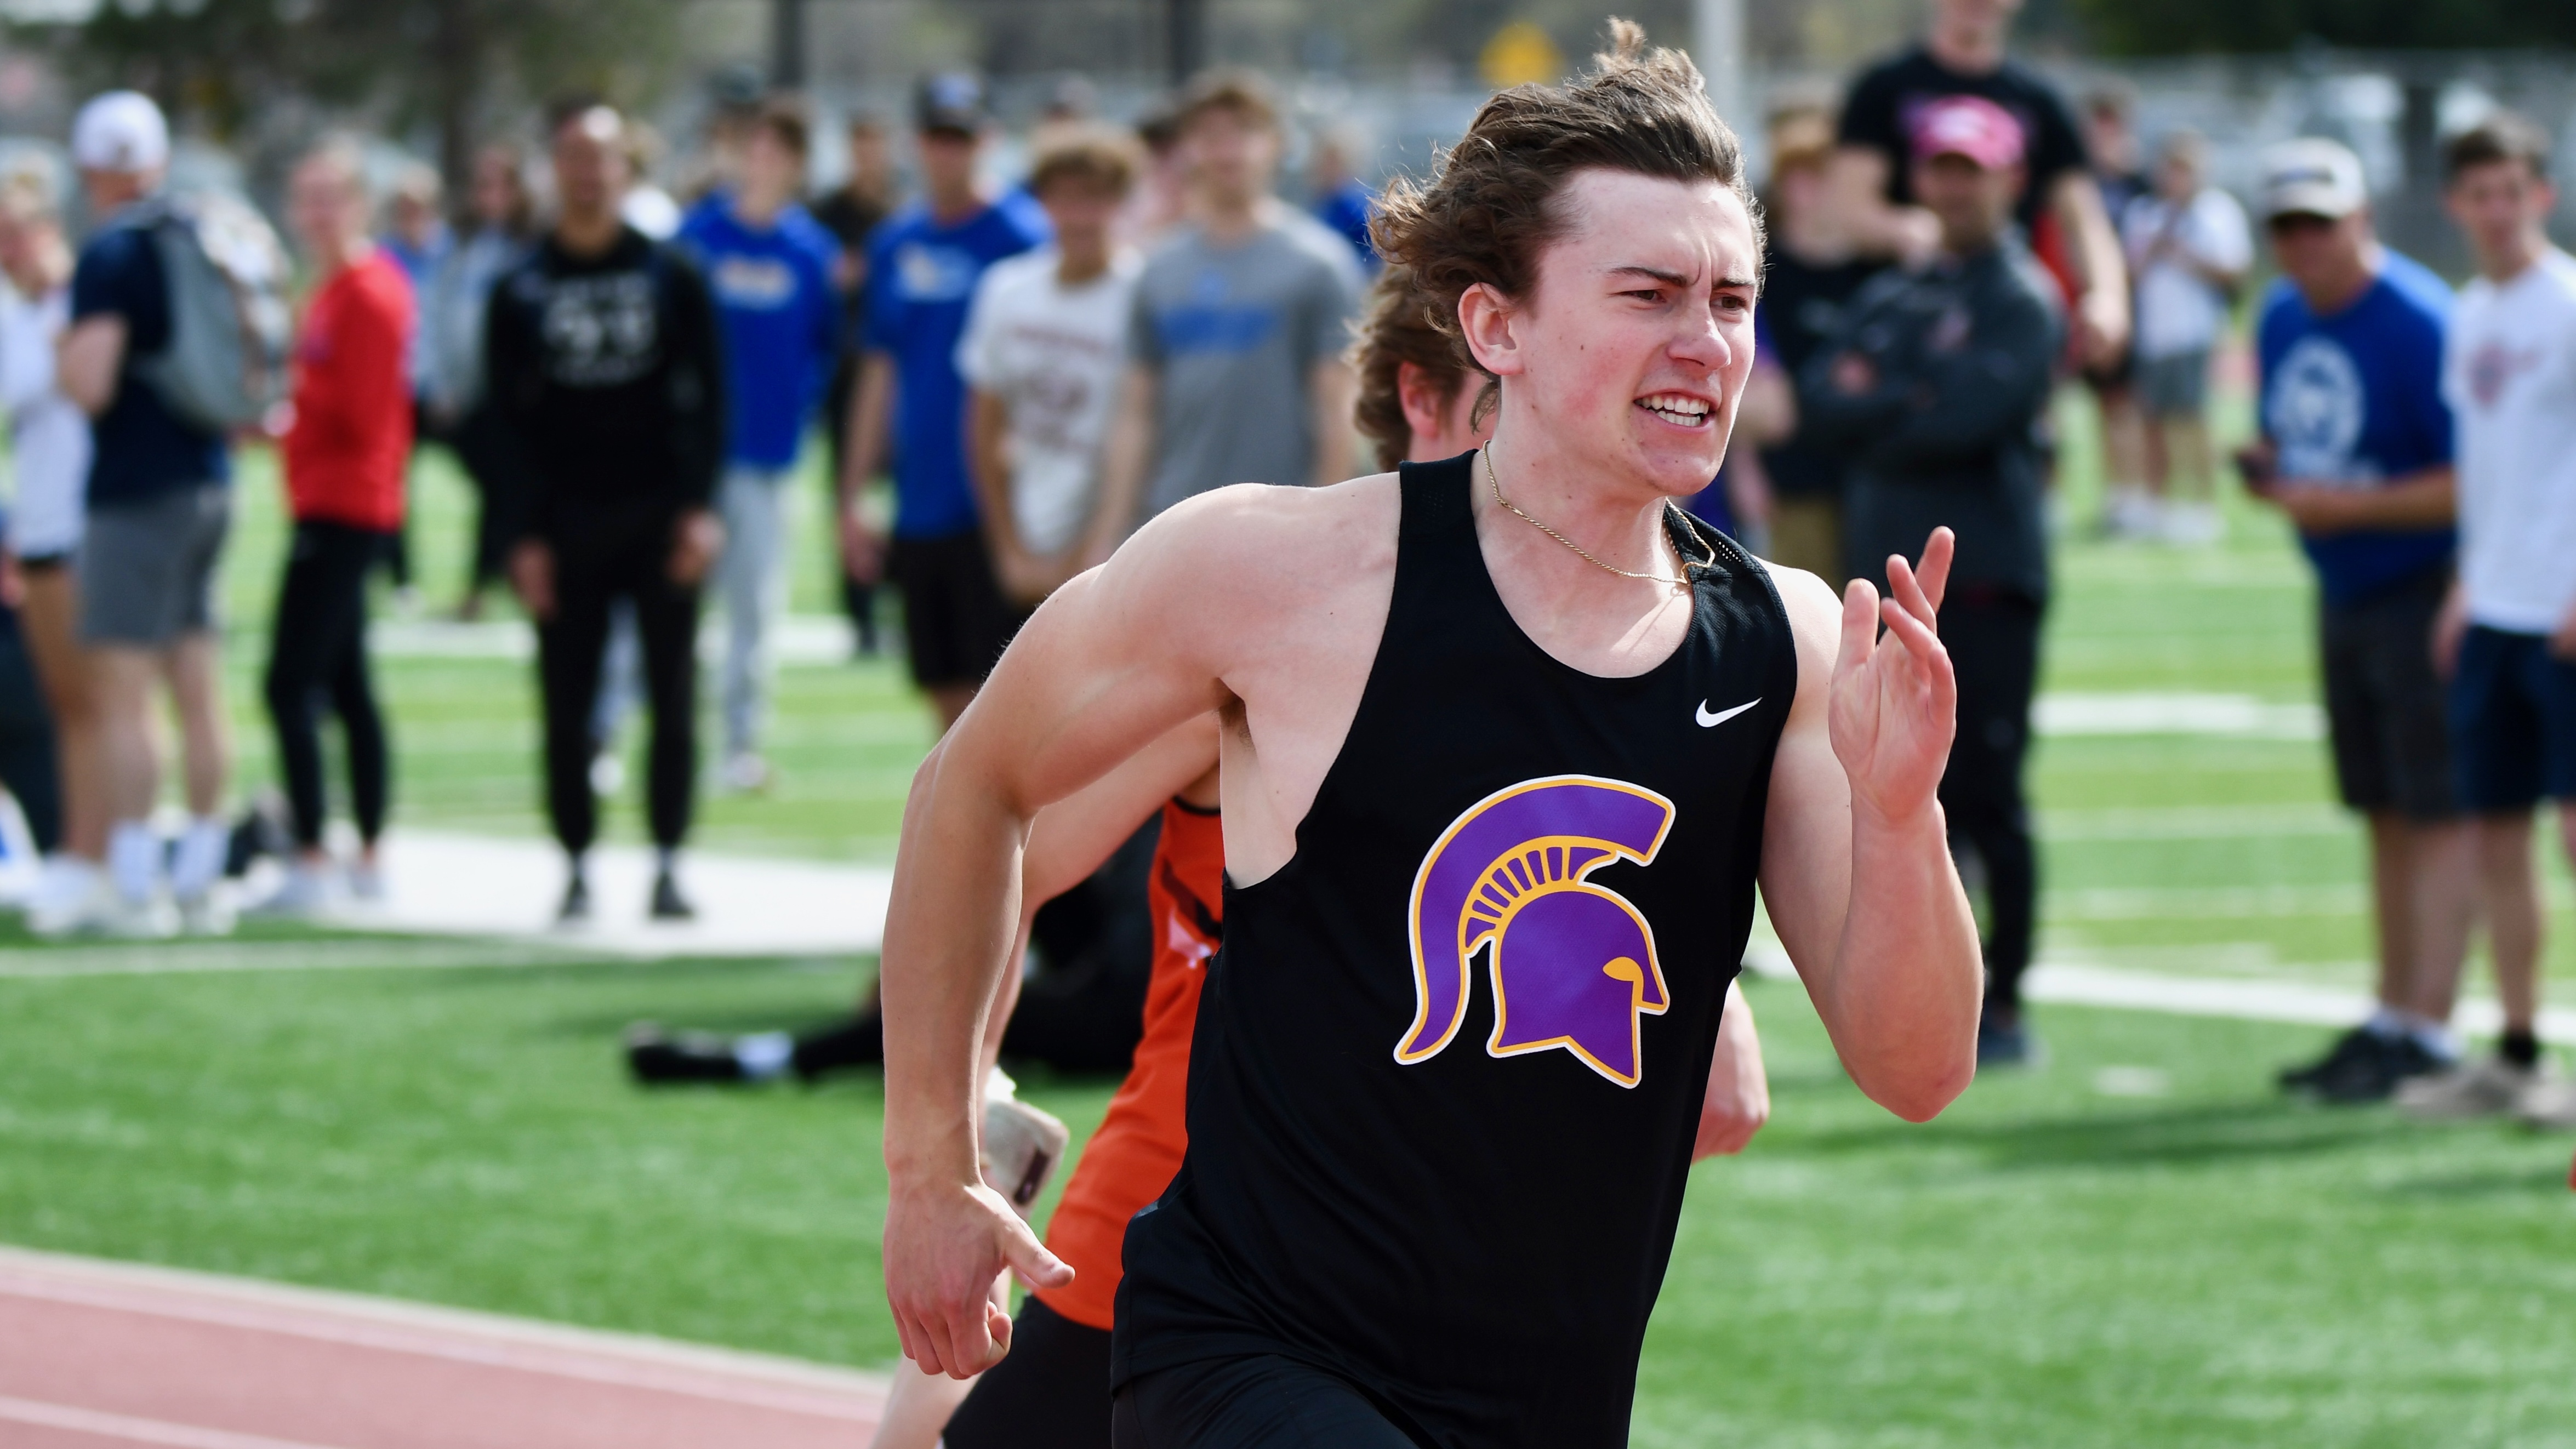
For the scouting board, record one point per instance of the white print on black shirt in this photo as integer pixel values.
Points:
(600, 331)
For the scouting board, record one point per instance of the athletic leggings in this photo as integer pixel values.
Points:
(619, 555)
(1994, 649)
(1051, 1391)
(318, 654)
(1263, 1402)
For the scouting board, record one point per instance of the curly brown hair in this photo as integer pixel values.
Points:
(1493, 206)
(1393, 331)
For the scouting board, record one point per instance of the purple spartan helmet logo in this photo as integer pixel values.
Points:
(1573, 964)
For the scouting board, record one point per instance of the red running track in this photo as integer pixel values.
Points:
(96, 1354)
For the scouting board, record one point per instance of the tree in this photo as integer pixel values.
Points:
(453, 63)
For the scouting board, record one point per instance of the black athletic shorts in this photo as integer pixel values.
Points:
(2384, 705)
(955, 620)
(1051, 1391)
(1263, 1402)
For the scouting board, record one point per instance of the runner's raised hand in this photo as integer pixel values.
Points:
(1895, 701)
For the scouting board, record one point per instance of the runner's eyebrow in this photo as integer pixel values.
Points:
(1676, 279)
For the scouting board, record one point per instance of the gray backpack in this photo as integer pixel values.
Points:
(230, 328)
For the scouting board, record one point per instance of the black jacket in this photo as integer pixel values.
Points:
(608, 373)
(1952, 431)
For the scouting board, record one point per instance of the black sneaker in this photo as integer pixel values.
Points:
(668, 903)
(2006, 1041)
(655, 1058)
(576, 901)
(2348, 1048)
(2373, 1075)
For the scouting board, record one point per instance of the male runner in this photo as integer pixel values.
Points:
(1414, 1210)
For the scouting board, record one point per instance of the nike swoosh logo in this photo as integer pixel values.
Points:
(1711, 721)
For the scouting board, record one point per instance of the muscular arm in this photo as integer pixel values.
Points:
(1856, 868)
(1334, 389)
(1184, 620)
(1126, 456)
(87, 360)
(1739, 1093)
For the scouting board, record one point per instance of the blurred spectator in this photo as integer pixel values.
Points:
(603, 355)
(2356, 452)
(1043, 350)
(2060, 208)
(2111, 139)
(417, 238)
(1235, 370)
(2508, 631)
(1414, 404)
(1071, 104)
(1341, 200)
(30, 756)
(344, 458)
(1163, 196)
(460, 407)
(159, 506)
(1936, 386)
(645, 206)
(851, 213)
(923, 267)
(770, 268)
(49, 447)
(1810, 271)
(2189, 249)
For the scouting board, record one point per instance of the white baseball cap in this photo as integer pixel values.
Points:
(120, 131)
(2312, 176)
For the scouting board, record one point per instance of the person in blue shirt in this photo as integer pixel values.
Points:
(923, 264)
(770, 265)
(159, 508)
(1343, 201)
(2356, 452)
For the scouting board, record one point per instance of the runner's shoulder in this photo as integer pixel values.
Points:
(1252, 541)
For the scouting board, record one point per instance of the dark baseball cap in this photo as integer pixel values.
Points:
(951, 101)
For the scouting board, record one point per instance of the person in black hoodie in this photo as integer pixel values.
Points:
(1937, 385)
(602, 354)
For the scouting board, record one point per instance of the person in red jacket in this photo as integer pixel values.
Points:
(345, 455)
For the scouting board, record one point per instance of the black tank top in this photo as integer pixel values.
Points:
(1450, 1061)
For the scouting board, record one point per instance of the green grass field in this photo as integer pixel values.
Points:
(2138, 1244)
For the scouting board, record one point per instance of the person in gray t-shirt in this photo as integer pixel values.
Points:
(1234, 350)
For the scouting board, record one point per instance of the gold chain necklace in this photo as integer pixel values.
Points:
(1487, 453)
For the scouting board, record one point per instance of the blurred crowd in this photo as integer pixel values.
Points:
(1040, 363)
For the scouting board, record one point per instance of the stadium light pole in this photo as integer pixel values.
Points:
(1717, 44)
(787, 44)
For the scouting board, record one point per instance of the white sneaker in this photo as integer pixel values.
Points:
(607, 774)
(305, 894)
(366, 882)
(128, 919)
(2488, 1087)
(2548, 1102)
(210, 912)
(2193, 525)
(68, 899)
(744, 773)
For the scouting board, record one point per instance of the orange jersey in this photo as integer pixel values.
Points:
(1132, 1157)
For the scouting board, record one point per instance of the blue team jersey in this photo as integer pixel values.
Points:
(921, 275)
(780, 318)
(2355, 399)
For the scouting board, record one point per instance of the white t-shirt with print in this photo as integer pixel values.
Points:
(1054, 354)
(2509, 374)
(2178, 310)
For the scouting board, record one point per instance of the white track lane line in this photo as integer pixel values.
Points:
(133, 1430)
